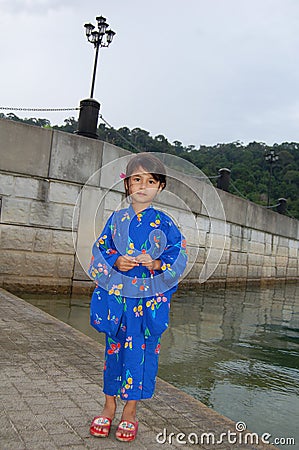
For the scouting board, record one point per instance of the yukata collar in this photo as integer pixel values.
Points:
(132, 213)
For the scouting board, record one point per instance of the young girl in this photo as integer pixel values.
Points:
(136, 264)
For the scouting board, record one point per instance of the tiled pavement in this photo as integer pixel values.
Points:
(51, 388)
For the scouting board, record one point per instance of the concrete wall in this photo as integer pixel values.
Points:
(55, 197)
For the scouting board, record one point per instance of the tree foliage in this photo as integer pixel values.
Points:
(250, 172)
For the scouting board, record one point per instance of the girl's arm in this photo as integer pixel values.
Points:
(104, 252)
(174, 256)
(172, 262)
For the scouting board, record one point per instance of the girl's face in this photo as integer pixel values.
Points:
(143, 188)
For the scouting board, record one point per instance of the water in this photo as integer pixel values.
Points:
(234, 350)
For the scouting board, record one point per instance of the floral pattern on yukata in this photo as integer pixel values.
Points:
(132, 307)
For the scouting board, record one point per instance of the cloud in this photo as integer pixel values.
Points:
(35, 6)
(200, 73)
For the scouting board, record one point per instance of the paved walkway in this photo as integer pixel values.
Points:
(51, 388)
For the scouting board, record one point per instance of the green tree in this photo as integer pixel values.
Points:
(249, 170)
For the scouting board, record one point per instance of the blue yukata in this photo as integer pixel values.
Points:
(132, 307)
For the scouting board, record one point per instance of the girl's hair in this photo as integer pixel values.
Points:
(150, 164)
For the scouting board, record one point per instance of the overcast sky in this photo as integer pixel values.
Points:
(198, 71)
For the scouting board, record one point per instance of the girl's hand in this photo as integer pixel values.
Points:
(146, 261)
(125, 263)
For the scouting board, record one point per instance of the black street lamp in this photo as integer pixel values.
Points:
(99, 38)
(271, 157)
(89, 108)
(224, 178)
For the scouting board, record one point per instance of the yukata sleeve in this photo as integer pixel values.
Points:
(174, 257)
(104, 253)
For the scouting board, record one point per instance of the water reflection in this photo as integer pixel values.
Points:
(235, 350)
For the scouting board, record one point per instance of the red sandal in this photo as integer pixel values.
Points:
(126, 427)
(100, 426)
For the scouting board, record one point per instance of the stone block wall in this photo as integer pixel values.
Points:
(41, 175)
(36, 238)
(55, 198)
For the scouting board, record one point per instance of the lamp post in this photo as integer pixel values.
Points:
(89, 108)
(271, 157)
(99, 38)
(224, 178)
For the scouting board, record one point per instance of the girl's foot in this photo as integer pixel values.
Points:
(101, 425)
(127, 428)
(126, 431)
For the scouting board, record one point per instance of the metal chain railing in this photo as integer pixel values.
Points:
(120, 135)
(7, 108)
